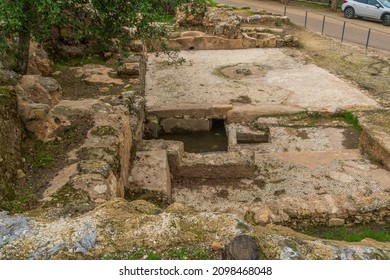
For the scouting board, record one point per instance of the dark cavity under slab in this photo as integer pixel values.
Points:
(211, 141)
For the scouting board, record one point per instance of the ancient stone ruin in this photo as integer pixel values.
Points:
(244, 138)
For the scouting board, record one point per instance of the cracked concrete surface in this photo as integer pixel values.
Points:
(279, 77)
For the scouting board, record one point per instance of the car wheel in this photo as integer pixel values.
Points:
(386, 20)
(349, 12)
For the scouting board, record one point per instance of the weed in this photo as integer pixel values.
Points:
(104, 131)
(212, 3)
(137, 254)
(249, 12)
(352, 120)
(43, 161)
(354, 233)
(176, 253)
(15, 199)
(317, 6)
(166, 19)
(75, 62)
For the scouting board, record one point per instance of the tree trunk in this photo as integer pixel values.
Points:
(334, 5)
(23, 51)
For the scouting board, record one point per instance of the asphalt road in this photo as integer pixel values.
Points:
(356, 30)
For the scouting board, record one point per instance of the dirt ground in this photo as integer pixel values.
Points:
(370, 71)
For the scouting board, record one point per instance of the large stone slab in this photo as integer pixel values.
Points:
(249, 113)
(286, 79)
(196, 111)
(174, 125)
(151, 172)
(216, 166)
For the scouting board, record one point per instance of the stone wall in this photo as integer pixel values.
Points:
(375, 138)
(10, 141)
(227, 30)
(101, 165)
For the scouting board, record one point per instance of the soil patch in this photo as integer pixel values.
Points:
(75, 88)
(44, 160)
(371, 71)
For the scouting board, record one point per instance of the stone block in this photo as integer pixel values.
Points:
(334, 222)
(129, 69)
(249, 113)
(249, 42)
(227, 165)
(152, 127)
(173, 125)
(217, 43)
(151, 171)
(252, 137)
(175, 150)
(195, 111)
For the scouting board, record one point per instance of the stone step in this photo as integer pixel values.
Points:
(151, 172)
(214, 166)
(174, 149)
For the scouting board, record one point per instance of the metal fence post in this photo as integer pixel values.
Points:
(285, 10)
(368, 37)
(323, 26)
(306, 19)
(342, 35)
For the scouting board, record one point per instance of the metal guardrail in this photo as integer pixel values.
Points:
(344, 25)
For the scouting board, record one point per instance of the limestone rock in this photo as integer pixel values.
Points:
(129, 66)
(39, 62)
(95, 73)
(128, 69)
(216, 246)
(223, 23)
(263, 216)
(189, 14)
(8, 77)
(334, 222)
(37, 89)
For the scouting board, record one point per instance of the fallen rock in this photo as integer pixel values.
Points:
(217, 246)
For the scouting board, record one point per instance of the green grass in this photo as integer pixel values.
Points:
(351, 119)
(350, 234)
(177, 253)
(43, 161)
(133, 255)
(166, 18)
(212, 3)
(15, 199)
(319, 6)
(80, 61)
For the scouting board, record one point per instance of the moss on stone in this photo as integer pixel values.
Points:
(70, 202)
(157, 198)
(104, 130)
(106, 154)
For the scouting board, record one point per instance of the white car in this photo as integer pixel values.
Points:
(373, 9)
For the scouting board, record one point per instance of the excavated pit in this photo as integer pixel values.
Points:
(213, 141)
(291, 158)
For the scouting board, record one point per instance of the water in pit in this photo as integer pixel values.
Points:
(211, 141)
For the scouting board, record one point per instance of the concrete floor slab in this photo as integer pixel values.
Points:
(280, 79)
